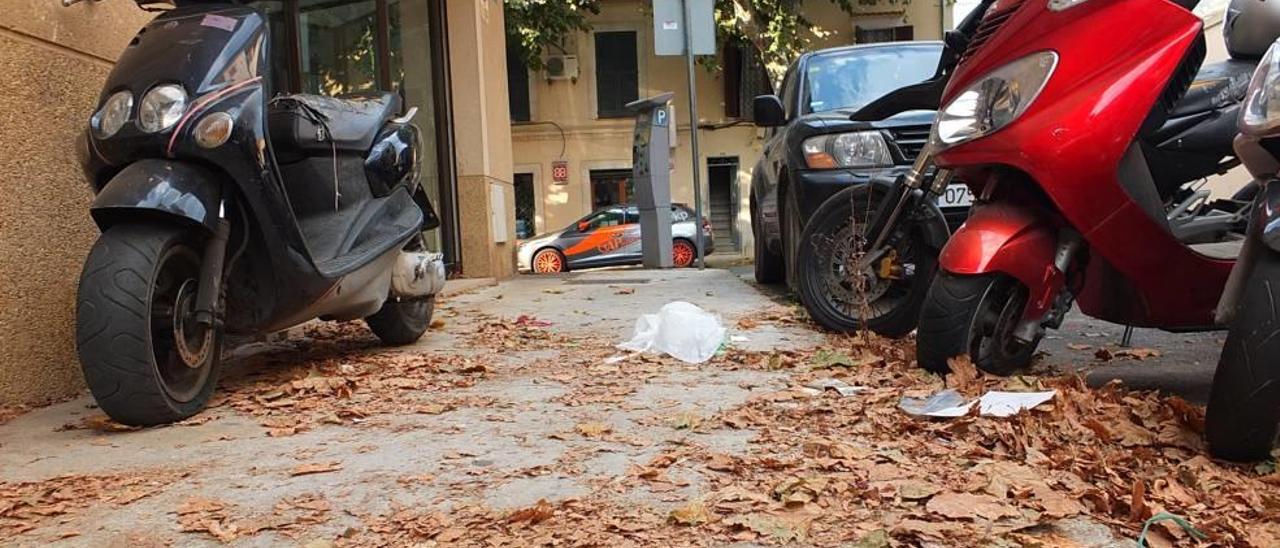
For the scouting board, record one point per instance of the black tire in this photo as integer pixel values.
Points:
(404, 322)
(830, 241)
(1243, 416)
(974, 316)
(792, 227)
(768, 263)
(129, 348)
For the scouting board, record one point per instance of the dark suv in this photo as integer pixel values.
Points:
(813, 150)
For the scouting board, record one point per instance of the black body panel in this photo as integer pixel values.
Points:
(160, 189)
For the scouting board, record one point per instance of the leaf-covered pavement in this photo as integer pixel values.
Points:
(517, 430)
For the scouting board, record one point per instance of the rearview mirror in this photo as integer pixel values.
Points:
(767, 111)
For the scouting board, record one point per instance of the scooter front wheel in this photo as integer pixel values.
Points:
(974, 316)
(1243, 416)
(145, 358)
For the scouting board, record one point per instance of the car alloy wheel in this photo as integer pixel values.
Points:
(682, 253)
(548, 261)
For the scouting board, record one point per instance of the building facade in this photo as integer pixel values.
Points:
(437, 52)
(571, 138)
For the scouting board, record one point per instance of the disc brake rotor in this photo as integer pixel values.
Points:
(846, 285)
(186, 330)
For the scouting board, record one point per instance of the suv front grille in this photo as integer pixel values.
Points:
(990, 25)
(910, 141)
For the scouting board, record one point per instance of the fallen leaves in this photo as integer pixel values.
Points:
(315, 468)
(592, 429)
(25, 506)
(533, 515)
(970, 506)
(693, 513)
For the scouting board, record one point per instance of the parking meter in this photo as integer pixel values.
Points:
(651, 174)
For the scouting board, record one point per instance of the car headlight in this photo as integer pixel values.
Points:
(857, 149)
(161, 108)
(113, 114)
(995, 100)
(1261, 112)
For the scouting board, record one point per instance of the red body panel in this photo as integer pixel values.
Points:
(1116, 57)
(1003, 237)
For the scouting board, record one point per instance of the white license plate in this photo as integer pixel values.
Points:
(956, 195)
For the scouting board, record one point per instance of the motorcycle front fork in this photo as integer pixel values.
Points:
(908, 193)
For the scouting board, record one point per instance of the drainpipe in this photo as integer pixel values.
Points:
(942, 18)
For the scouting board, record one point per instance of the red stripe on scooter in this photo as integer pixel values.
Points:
(203, 102)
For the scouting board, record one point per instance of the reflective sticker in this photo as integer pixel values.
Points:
(219, 22)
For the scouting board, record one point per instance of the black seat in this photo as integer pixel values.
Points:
(304, 125)
(1216, 85)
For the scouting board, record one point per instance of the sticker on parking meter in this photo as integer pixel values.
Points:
(660, 117)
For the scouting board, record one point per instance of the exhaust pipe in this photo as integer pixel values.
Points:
(417, 274)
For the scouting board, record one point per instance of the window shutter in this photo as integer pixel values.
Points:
(518, 84)
(617, 73)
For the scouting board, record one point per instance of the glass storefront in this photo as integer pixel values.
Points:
(333, 47)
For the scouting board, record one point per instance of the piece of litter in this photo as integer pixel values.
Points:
(738, 338)
(950, 404)
(680, 329)
(840, 387)
(1007, 404)
(945, 404)
(615, 359)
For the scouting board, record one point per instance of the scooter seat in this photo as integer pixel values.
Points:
(306, 125)
(1217, 85)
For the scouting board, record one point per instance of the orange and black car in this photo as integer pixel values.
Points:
(609, 237)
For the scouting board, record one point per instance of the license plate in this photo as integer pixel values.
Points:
(956, 195)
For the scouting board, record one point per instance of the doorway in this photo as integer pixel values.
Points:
(722, 182)
(526, 206)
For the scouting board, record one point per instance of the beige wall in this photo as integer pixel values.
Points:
(54, 60)
(482, 133)
(590, 143)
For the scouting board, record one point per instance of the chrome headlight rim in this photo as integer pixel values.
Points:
(162, 107)
(862, 149)
(113, 115)
(1260, 112)
(1043, 64)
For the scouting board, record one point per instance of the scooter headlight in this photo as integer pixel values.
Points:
(856, 149)
(161, 108)
(113, 114)
(1261, 112)
(995, 100)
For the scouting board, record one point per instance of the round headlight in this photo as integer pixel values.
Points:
(113, 114)
(214, 130)
(1260, 114)
(161, 108)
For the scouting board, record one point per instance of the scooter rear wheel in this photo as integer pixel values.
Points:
(1243, 416)
(145, 358)
(974, 316)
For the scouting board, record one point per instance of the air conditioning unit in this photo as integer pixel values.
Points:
(562, 67)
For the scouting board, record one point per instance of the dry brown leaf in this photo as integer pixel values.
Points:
(693, 513)
(969, 506)
(593, 429)
(964, 376)
(533, 515)
(315, 468)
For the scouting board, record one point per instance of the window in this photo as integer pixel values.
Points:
(609, 217)
(887, 34)
(609, 187)
(337, 46)
(526, 206)
(852, 78)
(517, 83)
(745, 77)
(617, 73)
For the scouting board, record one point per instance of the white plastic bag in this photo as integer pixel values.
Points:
(686, 332)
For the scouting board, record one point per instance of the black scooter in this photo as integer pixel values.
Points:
(225, 211)
(1188, 141)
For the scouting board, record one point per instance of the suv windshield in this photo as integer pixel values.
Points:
(852, 78)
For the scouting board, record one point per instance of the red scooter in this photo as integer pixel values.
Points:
(1049, 118)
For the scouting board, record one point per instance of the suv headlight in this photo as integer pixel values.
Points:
(113, 114)
(1261, 112)
(857, 149)
(161, 108)
(995, 100)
